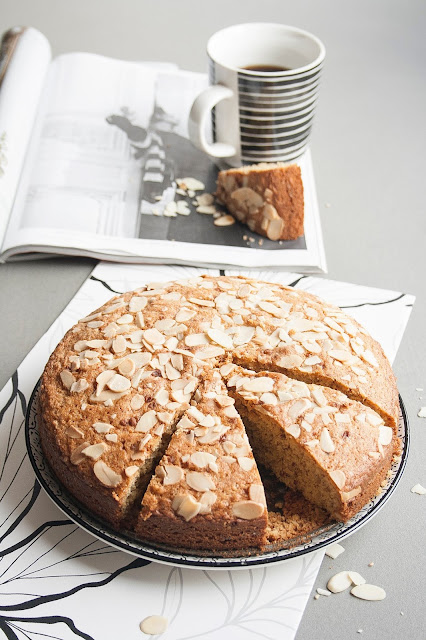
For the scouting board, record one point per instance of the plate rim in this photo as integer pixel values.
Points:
(182, 559)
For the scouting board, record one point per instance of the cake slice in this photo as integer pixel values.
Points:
(311, 340)
(267, 197)
(206, 492)
(106, 420)
(334, 450)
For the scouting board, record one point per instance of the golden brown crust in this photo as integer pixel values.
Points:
(120, 380)
(268, 197)
(209, 465)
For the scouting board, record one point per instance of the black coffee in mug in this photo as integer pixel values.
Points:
(265, 68)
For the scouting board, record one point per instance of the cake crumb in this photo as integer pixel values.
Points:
(371, 564)
(422, 412)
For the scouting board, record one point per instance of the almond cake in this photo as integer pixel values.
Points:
(138, 421)
(267, 197)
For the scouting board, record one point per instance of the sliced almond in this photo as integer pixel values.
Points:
(207, 500)
(67, 378)
(221, 338)
(153, 336)
(226, 369)
(106, 475)
(95, 451)
(119, 344)
(199, 481)
(79, 386)
(339, 582)
(118, 383)
(298, 408)
(319, 397)
(202, 459)
(127, 367)
(421, 491)
(202, 302)
(73, 432)
(246, 463)
(290, 362)
(259, 384)
(162, 397)
(137, 303)
(196, 339)
(293, 430)
(349, 495)
(326, 443)
(130, 471)
(356, 577)
(275, 228)
(248, 509)
(186, 506)
(137, 402)
(76, 455)
(102, 427)
(224, 221)
(340, 354)
(146, 421)
(185, 314)
(154, 625)
(269, 398)
(368, 592)
(338, 477)
(385, 435)
(257, 493)
(173, 475)
(334, 550)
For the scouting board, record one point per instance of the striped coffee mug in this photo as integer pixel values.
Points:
(264, 83)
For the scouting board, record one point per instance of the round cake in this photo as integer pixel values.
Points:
(170, 409)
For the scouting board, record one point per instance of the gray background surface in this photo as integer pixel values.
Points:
(369, 161)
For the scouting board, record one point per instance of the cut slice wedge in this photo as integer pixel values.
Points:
(206, 492)
(334, 450)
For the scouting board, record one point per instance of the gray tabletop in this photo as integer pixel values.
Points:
(369, 160)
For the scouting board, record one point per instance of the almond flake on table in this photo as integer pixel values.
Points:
(418, 489)
(368, 592)
(422, 412)
(154, 625)
(334, 550)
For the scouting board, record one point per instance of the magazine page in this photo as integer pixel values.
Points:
(103, 174)
(20, 91)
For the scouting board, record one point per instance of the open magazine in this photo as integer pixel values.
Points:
(92, 152)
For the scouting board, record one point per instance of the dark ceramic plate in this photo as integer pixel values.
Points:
(126, 542)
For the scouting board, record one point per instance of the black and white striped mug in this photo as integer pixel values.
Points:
(264, 83)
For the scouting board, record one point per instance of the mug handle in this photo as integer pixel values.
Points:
(197, 123)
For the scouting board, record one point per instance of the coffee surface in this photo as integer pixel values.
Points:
(265, 68)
